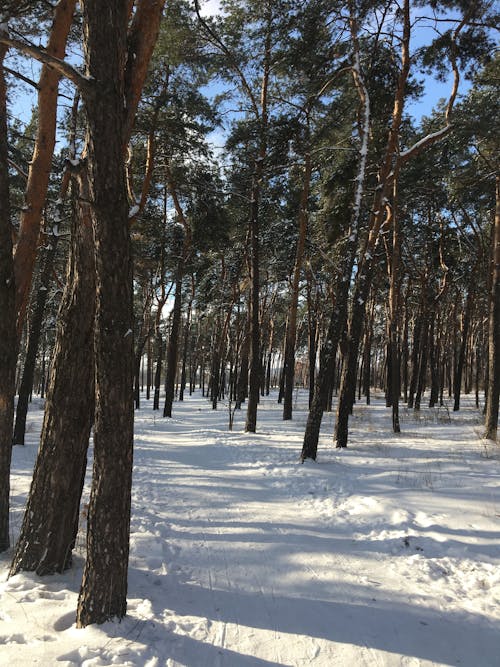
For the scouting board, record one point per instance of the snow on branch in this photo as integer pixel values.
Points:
(429, 139)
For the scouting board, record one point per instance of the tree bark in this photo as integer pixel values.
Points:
(291, 331)
(173, 343)
(104, 585)
(41, 161)
(459, 369)
(50, 520)
(8, 346)
(493, 391)
(255, 368)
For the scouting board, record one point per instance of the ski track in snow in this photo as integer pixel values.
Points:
(386, 553)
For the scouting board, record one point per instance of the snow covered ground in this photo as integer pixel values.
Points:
(386, 553)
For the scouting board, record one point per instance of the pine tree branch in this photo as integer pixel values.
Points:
(83, 83)
(217, 41)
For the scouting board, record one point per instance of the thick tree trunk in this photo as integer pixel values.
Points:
(35, 328)
(50, 520)
(493, 390)
(104, 585)
(8, 343)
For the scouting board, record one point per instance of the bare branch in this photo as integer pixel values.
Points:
(20, 76)
(63, 68)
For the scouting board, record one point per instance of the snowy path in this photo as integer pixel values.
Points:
(384, 554)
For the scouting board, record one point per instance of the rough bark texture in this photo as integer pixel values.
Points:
(7, 322)
(104, 585)
(51, 518)
(494, 327)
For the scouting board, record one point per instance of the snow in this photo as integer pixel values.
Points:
(386, 553)
(432, 136)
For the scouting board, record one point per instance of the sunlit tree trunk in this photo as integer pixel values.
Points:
(40, 164)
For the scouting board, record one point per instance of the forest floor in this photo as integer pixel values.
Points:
(386, 553)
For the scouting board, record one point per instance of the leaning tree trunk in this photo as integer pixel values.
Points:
(327, 361)
(8, 343)
(50, 520)
(35, 328)
(40, 164)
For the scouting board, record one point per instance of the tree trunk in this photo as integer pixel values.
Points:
(434, 361)
(149, 375)
(41, 161)
(185, 348)
(159, 362)
(50, 520)
(348, 378)
(255, 368)
(173, 342)
(104, 584)
(493, 391)
(327, 361)
(8, 342)
(415, 357)
(422, 369)
(459, 369)
(242, 385)
(291, 330)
